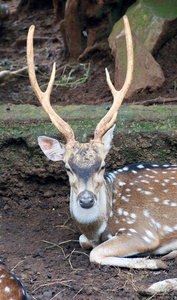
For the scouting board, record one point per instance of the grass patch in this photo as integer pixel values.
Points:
(73, 75)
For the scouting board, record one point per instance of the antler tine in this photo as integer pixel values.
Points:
(108, 120)
(44, 97)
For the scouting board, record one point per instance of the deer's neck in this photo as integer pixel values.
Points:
(92, 221)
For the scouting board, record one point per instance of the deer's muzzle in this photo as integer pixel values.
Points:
(86, 199)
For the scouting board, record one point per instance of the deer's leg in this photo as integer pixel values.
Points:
(171, 255)
(85, 243)
(114, 251)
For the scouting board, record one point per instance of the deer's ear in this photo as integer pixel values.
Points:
(51, 148)
(107, 138)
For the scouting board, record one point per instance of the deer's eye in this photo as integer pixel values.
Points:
(68, 169)
(102, 168)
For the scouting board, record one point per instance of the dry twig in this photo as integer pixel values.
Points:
(158, 100)
(9, 75)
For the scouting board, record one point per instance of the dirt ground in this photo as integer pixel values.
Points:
(38, 239)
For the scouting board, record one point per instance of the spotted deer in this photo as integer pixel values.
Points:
(124, 214)
(11, 287)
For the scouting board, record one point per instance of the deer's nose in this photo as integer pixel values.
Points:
(86, 199)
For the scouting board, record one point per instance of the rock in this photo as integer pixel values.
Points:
(147, 72)
(47, 294)
(6, 207)
(154, 22)
(164, 286)
(49, 194)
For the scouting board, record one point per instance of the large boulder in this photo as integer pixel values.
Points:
(147, 72)
(152, 24)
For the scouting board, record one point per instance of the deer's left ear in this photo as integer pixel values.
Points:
(107, 138)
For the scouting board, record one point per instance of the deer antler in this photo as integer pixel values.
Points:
(44, 97)
(108, 120)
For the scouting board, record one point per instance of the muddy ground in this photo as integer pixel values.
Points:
(38, 239)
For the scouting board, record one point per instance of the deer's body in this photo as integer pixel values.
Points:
(129, 212)
(11, 287)
(137, 208)
(143, 209)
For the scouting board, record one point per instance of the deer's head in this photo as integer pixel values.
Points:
(84, 163)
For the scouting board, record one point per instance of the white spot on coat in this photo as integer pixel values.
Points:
(121, 183)
(166, 202)
(168, 228)
(156, 199)
(124, 199)
(150, 234)
(140, 166)
(146, 213)
(144, 181)
(133, 215)
(147, 193)
(146, 239)
(134, 172)
(120, 211)
(165, 191)
(125, 213)
(173, 204)
(7, 289)
(132, 230)
(125, 169)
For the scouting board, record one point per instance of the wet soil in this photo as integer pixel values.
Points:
(38, 239)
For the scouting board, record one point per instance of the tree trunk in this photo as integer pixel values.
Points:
(87, 25)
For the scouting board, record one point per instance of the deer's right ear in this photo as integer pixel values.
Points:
(107, 138)
(51, 148)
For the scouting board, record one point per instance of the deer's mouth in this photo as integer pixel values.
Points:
(86, 199)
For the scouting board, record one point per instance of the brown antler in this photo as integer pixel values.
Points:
(44, 97)
(108, 120)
